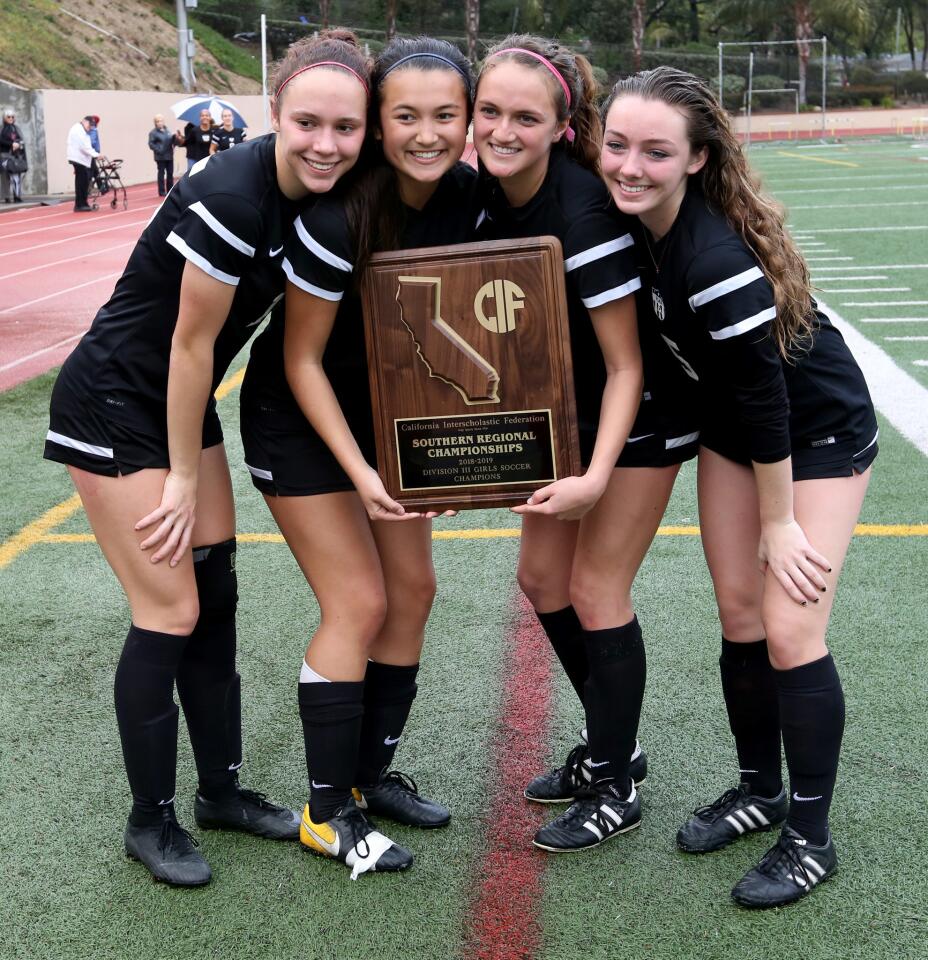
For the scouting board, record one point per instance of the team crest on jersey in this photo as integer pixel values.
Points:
(657, 302)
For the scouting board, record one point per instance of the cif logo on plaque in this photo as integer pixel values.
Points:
(475, 379)
(508, 297)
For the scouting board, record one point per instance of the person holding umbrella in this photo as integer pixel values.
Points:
(227, 135)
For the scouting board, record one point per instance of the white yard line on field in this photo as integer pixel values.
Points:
(893, 320)
(866, 289)
(897, 395)
(885, 303)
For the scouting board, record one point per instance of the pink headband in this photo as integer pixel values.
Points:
(327, 63)
(555, 73)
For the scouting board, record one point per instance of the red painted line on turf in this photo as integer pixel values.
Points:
(503, 915)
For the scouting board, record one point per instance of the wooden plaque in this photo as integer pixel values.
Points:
(470, 370)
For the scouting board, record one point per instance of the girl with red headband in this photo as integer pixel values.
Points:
(311, 453)
(537, 135)
(134, 419)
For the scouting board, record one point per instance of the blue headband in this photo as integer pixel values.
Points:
(468, 81)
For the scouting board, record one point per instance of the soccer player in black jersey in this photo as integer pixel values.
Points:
(789, 434)
(226, 135)
(132, 415)
(537, 135)
(368, 562)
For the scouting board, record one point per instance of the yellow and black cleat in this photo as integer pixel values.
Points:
(350, 838)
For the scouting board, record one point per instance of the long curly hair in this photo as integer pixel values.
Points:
(730, 186)
(576, 73)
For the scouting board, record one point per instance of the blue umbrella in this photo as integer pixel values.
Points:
(189, 109)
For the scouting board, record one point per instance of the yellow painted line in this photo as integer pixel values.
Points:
(500, 533)
(33, 532)
(39, 531)
(802, 156)
(230, 384)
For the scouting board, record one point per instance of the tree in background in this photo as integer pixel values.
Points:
(472, 15)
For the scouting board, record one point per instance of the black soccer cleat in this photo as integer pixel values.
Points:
(734, 814)
(597, 814)
(249, 812)
(168, 851)
(787, 872)
(396, 797)
(351, 838)
(561, 784)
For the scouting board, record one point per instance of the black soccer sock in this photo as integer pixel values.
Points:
(812, 717)
(207, 684)
(388, 695)
(332, 714)
(750, 691)
(613, 695)
(566, 635)
(147, 718)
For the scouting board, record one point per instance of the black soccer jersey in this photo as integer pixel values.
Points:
(573, 205)
(227, 217)
(713, 308)
(319, 259)
(223, 139)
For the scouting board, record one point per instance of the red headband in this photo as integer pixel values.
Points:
(554, 71)
(324, 63)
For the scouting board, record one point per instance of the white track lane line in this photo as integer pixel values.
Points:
(57, 263)
(896, 394)
(58, 293)
(71, 223)
(83, 236)
(38, 353)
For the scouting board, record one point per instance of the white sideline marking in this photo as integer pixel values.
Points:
(846, 176)
(58, 293)
(893, 320)
(896, 394)
(920, 363)
(856, 206)
(806, 243)
(879, 266)
(851, 279)
(905, 339)
(865, 289)
(908, 186)
(827, 260)
(86, 255)
(919, 226)
(38, 353)
(885, 303)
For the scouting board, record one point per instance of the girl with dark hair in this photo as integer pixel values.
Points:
(368, 562)
(788, 437)
(133, 417)
(537, 135)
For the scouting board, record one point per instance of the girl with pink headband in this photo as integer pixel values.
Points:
(531, 95)
(134, 419)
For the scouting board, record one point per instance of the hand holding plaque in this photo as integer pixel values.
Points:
(470, 370)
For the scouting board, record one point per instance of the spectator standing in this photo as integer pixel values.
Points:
(197, 139)
(80, 155)
(161, 143)
(12, 155)
(227, 135)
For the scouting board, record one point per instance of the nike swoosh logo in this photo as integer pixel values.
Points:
(391, 741)
(274, 252)
(801, 799)
(333, 848)
(321, 786)
(593, 763)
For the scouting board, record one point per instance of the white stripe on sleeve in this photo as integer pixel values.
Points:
(298, 281)
(719, 289)
(598, 252)
(196, 259)
(742, 326)
(221, 231)
(616, 293)
(313, 246)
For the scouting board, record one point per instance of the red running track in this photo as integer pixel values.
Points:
(57, 268)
